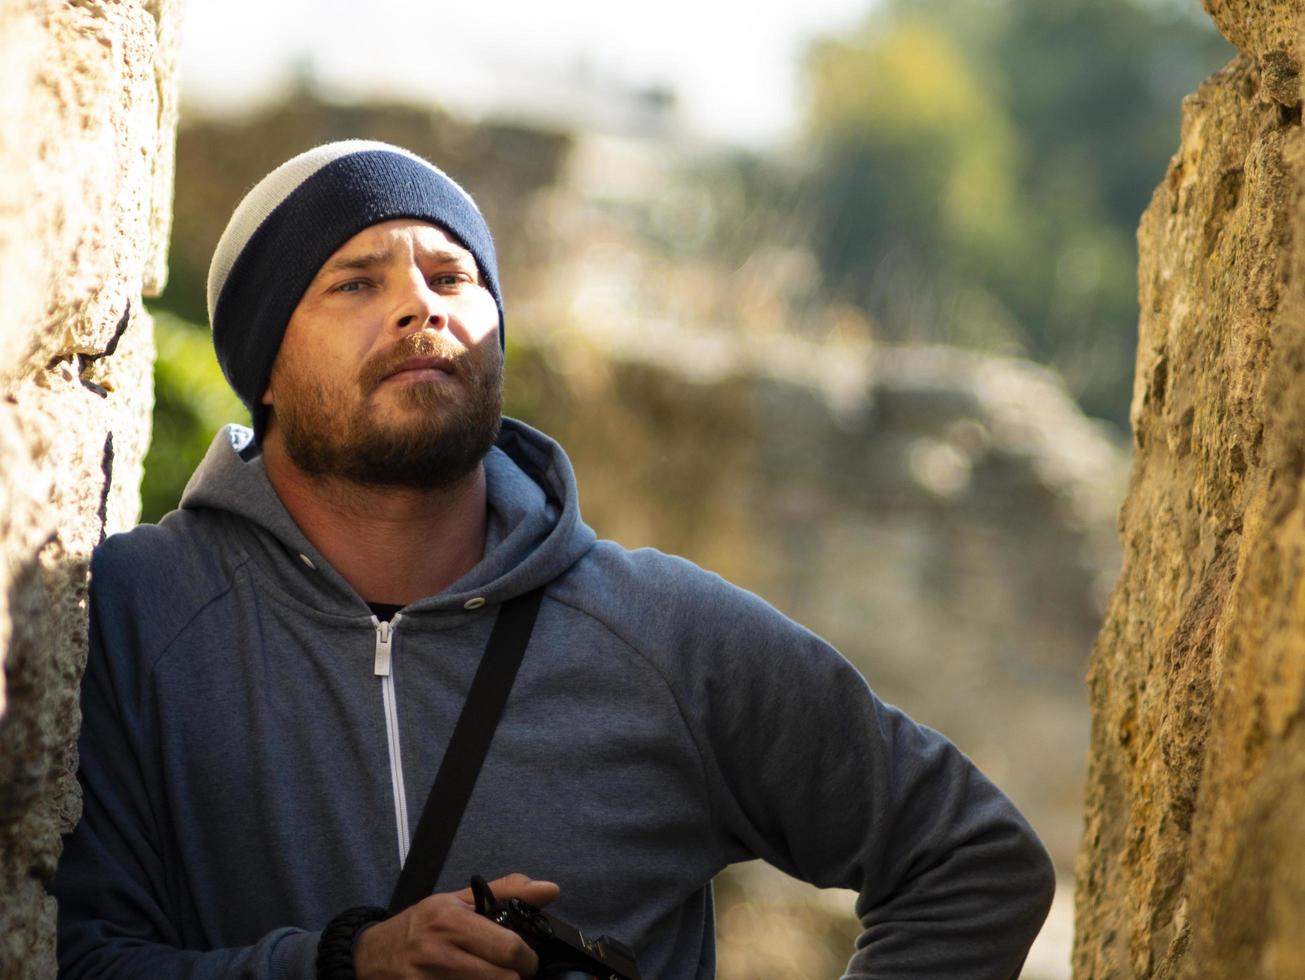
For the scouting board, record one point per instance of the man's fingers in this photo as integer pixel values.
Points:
(501, 948)
(537, 893)
(448, 919)
(442, 937)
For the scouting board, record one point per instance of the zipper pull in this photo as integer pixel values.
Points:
(383, 638)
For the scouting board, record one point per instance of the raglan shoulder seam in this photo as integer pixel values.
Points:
(225, 590)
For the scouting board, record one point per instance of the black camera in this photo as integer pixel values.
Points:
(564, 953)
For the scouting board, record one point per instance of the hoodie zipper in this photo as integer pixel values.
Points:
(382, 669)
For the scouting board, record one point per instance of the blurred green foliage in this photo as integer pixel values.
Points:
(191, 402)
(977, 169)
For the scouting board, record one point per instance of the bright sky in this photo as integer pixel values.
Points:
(734, 63)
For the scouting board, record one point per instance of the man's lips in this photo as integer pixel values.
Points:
(421, 369)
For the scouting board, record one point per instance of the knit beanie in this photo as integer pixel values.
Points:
(285, 229)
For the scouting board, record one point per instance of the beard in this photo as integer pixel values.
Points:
(444, 431)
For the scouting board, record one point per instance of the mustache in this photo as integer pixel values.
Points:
(383, 363)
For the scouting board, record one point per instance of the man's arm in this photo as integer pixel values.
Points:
(111, 878)
(112, 881)
(964, 884)
(813, 773)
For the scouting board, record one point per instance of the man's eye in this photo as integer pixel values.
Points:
(448, 279)
(352, 286)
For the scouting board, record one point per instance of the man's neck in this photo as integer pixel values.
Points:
(393, 545)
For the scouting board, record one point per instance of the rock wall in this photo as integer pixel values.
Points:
(88, 94)
(1192, 863)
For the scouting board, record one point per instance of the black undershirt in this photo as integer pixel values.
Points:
(383, 610)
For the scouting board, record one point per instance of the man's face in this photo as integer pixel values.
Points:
(390, 372)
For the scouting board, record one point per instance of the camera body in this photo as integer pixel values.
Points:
(564, 953)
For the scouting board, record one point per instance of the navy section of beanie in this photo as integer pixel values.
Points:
(290, 224)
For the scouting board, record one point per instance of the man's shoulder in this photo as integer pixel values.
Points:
(651, 573)
(651, 596)
(177, 564)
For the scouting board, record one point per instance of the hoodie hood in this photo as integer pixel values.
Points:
(534, 532)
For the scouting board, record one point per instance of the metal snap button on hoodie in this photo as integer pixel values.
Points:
(475, 603)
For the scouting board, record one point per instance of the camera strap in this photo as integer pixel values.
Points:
(465, 754)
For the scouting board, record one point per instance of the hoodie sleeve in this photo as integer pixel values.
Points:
(112, 883)
(814, 774)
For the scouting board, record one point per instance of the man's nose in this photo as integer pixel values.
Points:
(420, 306)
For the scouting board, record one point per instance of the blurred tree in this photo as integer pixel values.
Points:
(915, 170)
(977, 170)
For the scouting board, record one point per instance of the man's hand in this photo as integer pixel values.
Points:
(443, 937)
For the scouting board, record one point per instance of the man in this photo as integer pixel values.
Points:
(276, 668)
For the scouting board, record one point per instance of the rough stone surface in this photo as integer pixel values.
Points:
(90, 112)
(1269, 32)
(1191, 863)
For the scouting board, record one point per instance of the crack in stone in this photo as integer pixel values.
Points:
(106, 467)
(85, 362)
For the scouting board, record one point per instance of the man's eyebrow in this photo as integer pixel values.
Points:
(369, 260)
(362, 261)
(448, 256)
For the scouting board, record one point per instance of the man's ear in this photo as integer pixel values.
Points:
(267, 393)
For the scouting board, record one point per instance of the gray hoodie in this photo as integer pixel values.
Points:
(255, 750)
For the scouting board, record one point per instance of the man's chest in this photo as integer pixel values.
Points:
(287, 777)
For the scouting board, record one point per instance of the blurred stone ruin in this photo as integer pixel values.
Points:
(944, 517)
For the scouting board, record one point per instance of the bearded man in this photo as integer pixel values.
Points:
(277, 668)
